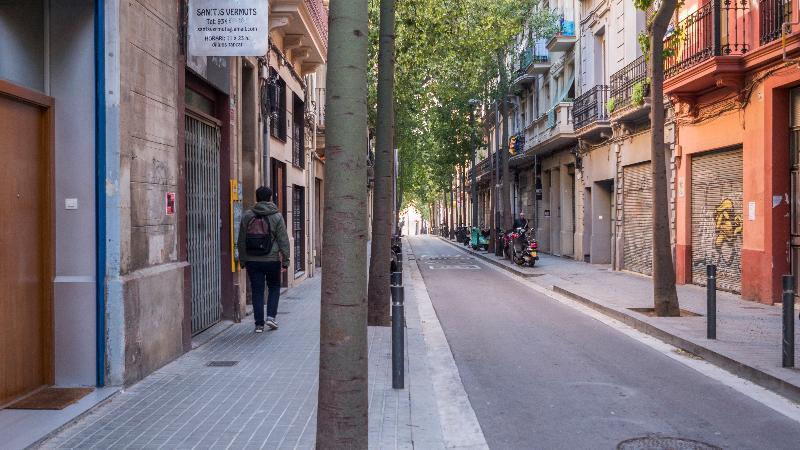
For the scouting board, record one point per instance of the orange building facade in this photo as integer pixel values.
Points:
(732, 81)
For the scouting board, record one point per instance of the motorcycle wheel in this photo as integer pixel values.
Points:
(533, 262)
(474, 247)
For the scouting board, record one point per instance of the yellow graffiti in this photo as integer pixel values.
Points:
(727, 224)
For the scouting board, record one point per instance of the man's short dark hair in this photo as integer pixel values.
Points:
(263, 194)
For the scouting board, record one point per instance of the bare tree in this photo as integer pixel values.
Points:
(380, 257)
(665, 295)
(342, 420)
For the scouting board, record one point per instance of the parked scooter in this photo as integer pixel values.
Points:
(479, 239)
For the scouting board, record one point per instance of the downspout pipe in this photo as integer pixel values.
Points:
(100, 198)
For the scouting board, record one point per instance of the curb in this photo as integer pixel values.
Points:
(738, 368)
(748, 372)
(499, 264)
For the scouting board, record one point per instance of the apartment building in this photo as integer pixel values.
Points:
(129, 163)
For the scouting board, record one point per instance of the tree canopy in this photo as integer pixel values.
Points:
(446, 55)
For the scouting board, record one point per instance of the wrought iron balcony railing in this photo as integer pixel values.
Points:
(623, 82)
(772, 15)
(537, 53)
(717, 28)
(590, 107)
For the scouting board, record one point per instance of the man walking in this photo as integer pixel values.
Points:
(264, 251)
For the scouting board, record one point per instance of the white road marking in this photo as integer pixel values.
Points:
(453, 266)
(460, 426)
(762, 395)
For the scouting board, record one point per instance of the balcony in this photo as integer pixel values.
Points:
(564, 39)
(590, 113)
(628, 92)
(304, 27)
(534, 60)
(551, 131)
(771, 16)
(708, 54)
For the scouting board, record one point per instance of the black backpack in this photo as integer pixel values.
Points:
(258, 236)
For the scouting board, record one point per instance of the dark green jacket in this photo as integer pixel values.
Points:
(280, 239)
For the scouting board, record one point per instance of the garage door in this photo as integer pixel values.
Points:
(717, 217)
(637, 216)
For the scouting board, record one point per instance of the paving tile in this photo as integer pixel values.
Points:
(267, 400)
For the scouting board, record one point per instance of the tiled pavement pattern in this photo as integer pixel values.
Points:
(267, 400)
(748, 333)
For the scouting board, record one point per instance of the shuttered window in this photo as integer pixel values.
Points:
(637, 217)
(717, 217)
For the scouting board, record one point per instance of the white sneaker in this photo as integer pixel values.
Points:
(272, 324)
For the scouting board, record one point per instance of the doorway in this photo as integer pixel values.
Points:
(26, 265)
(279, 198)
(603, 193)
(318, 222)
(299, 228)
(203, 214)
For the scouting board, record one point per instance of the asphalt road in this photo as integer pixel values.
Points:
(540, 374)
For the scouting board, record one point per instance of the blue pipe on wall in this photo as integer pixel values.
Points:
(100, 180)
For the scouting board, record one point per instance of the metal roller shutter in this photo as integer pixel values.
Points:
(717, 219)
(203, 227)
(637, 217)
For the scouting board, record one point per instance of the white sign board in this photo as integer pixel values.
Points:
(228, 27)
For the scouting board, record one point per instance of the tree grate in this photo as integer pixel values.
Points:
(222, 363)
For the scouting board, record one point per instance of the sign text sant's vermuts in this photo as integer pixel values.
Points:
(228, 27)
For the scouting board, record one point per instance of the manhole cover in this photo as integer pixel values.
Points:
(664, 443)
(222, 363)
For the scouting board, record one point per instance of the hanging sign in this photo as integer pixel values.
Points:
(228, 27)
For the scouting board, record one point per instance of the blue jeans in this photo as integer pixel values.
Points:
(260, 272)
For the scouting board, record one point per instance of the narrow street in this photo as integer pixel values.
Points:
(540, 374)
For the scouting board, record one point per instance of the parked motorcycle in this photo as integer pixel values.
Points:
(462, 235)
(524, 248)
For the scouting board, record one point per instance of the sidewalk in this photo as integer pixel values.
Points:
(268, 398)
(748, 340)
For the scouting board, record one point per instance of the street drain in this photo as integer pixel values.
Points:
(664, 443)
(222, 363)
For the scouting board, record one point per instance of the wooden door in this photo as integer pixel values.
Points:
(26, 242)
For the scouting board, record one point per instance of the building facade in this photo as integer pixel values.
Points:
(736, 156)
(131, 162)
(584, 174)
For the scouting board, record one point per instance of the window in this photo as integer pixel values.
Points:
(277, 106)
(298, 227)
(298, 132)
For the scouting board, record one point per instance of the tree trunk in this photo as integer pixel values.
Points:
(664, 292)
(508, 220)
(474, 177)
(452, 210)
(446, 213)
(382, 217)
(463, 218)
(342, 397)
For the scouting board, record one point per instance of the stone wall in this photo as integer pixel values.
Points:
(151, 273)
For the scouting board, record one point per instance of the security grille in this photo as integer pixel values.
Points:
(298, 228)
(717, 221)
(203, 210)
(637, 217)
